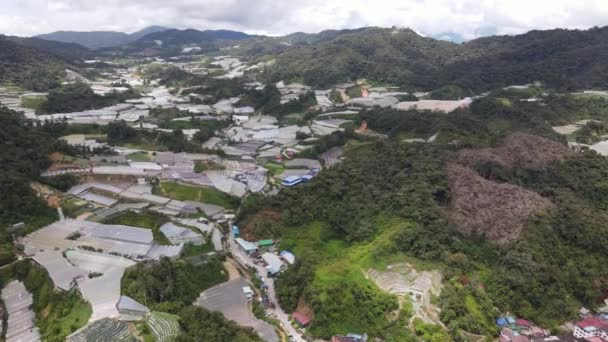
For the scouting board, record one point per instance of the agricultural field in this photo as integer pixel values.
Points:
(274, 168)
(146, 219)
(164, 326)
(139, 157)
(193, 193)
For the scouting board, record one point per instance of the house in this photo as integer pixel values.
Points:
(131, 309)
(350, 337)
(302, 319)
(274, 264)
(590, 327)
(235, 231)
(288, 256)
(265, 244)
(508, 335)
(291, 181)
(247, 247)
(502, 322)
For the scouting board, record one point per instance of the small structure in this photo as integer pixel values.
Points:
(502, 322)
(288, 256)
(246, 246)
(350, 337)
(248, 292)
(274, 264)
(235, 231)
(265, 244)
(131, 310)
(291, 181)
(302, 319)
(178, 235)
(591, 326)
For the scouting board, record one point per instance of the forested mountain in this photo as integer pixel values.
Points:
(99, 39)
(564, 59)
(171, 42)
(69, 51)
(192, 36)
(29, 67)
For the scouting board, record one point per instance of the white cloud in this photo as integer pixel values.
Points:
(468, 18)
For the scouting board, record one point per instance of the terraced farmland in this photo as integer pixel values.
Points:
(104, 330)
(164, 326)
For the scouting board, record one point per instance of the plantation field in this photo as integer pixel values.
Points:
(144, 219)
(193, 193)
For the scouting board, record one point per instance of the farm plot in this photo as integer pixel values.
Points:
(164, 326)
(403, 280)
(104, 330)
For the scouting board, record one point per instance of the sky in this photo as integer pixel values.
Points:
(465, 19)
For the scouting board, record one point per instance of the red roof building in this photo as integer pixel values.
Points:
(301, 318)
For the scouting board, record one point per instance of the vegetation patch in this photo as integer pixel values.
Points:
(169, 285)
(184, 192)
(58, 313)
(145, 219)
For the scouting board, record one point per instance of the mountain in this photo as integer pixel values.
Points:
(150, 29)
(29, 67)
(192, 36)
(99, 39)
(68, 51)
(564, 59)
(170, 43)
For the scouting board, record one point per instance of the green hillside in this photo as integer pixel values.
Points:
(28, 67)
(392, 201)
(561, 58)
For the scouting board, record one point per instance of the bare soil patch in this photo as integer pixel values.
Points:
(482, 207)
(518, 150)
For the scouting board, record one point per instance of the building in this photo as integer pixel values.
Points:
(235, 231)
(288, 256)
(179, 235)
(274, 264)
(291, 181)
(508, 335)
(302, 319)
(265, 244)
(591, 326)
(350, 337)
(247, 247)
(248, 292)
(131, 309)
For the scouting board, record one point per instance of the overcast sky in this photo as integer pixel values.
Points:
(468, 18)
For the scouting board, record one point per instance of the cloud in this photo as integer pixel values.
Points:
(464, 18)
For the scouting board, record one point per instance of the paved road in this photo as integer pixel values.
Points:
(246, 261)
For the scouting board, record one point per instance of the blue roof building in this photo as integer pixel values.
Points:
(502, 322)
(235, 231)
(291, 181)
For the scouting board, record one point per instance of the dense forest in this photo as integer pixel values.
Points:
(28, 67)
(24, 153)
(171, 285)
(564, 59)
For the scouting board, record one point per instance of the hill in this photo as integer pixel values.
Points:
(99, 39)
(171, 42)
(516, 229)
(28, 67)
(69, 51)
(564, 59)
(192, 36)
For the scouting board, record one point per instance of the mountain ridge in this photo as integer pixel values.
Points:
(99, 39)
